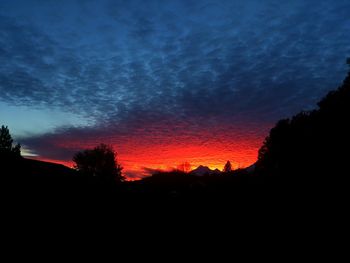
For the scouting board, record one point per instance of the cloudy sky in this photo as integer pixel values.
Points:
(164, 82)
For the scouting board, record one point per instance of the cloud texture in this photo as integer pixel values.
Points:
(152, 76)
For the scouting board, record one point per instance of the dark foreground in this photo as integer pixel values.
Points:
(37, 183)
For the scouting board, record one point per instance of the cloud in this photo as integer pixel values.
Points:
(150, 69)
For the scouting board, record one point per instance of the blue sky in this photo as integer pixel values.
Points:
(88, 67)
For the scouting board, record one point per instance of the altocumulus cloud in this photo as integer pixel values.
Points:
(154, 67)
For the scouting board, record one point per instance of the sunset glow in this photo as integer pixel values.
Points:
(164, 82)
(141, 153)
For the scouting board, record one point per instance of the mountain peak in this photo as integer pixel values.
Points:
(204, 170)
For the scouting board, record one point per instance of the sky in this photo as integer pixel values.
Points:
(164, 82)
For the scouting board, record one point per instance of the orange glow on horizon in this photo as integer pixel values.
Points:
(170, 157)
(142, 153)
(138, 163)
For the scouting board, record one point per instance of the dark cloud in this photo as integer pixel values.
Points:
(136, 62)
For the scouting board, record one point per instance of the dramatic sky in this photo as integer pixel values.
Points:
(164, 82)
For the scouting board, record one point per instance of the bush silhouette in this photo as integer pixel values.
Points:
(99, 162)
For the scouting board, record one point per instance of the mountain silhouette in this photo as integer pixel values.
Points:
(204, 170)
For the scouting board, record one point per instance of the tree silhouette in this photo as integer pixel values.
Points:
(227, 167)
(311, 144)
(184, 167)
(100, 162)
(7, 149)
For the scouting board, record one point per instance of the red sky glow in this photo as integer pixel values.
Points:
(152, 148)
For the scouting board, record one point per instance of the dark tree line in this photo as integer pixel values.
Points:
(311, 144)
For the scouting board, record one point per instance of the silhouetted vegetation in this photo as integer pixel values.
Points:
(311, 146)
(227, 167)
(99, 162)
(7, 149)
(184, 167)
